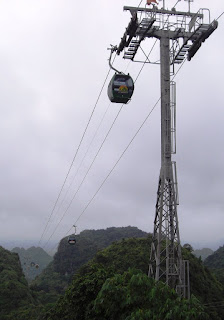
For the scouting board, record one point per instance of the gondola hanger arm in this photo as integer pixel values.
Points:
(112, 50)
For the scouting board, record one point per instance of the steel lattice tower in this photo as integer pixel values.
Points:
(180, 34)
(165, 258)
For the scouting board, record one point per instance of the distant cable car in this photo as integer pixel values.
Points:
(120, 88)
(71, 240)
(32, 264)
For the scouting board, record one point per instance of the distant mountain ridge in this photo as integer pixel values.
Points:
(33, 260)
(69, 258)
(9, 244)
(216, 260)
(203, 253)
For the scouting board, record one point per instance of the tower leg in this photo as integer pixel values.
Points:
(165, 256)
(165, 259)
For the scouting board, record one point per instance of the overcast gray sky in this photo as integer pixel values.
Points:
(53, 62)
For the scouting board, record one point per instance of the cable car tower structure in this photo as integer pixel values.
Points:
(181, 35)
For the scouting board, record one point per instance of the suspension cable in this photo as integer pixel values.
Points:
(219, 16)
(95, 155)
(147, 58)
(73, 160)
(85, 174)
(104, 142)
(80, 165)
(116, 163)
(122, 154)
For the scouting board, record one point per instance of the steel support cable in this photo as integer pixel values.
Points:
(140, 3)
(185, 59)
(80, 165)
(144, 54)
(73, 160)
(116, 163)
(219, 16)
(102, 145)
(80, 146)
(85, 175)
(147, 58)
(114, 166)
(85, 156)
(176, 3)
(97, 153)
(117, 160)
(127, 147)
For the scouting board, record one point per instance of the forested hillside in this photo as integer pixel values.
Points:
(106, 285)
(33, 261)
(216, 260)
(16, 300)
(68, 259)
(215, 263)
(111, 281)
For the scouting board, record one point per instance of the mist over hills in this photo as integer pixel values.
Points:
(203, 253)
(68, 259)
(26, 244)
(33, 260)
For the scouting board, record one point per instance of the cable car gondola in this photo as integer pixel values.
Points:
(71, 240)
(120, 88)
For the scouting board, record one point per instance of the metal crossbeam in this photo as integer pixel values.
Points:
(162, 11)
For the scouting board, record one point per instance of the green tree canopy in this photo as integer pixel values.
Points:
(133, 295)
(105, 274)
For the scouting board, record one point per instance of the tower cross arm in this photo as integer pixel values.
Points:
(167, 33)
(133, 10)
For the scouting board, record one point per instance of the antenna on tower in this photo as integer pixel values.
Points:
(189, 4)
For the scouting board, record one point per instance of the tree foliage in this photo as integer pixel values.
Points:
(215, 262)
(103, 286)
(133, 295)
(113, 285)
(68, 259)
(128, 296)
(16, 300)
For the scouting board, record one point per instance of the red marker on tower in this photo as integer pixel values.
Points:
(150, 2)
